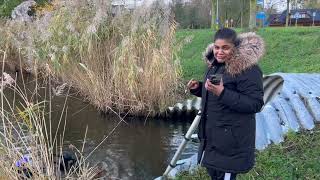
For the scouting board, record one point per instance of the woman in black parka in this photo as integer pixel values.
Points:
(227, 127)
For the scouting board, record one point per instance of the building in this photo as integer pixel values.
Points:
(301, 17)
(128, 4)
(275, 20)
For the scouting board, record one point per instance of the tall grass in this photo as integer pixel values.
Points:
(30, 148)
(119, 62)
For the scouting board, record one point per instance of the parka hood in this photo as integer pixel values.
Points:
(246, 54)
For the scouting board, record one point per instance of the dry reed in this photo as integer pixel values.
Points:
(30, 148)
(121, 62)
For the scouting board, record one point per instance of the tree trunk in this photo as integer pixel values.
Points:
(241, 13)
(253, 7)
(287, 15)
(213, 14)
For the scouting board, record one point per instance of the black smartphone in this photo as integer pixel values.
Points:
(215, 79)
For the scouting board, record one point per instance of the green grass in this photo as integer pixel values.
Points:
(297, 157)
(6, 6)
(191, 54)
(293, 50)
(289, 50)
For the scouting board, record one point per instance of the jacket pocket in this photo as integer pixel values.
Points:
(223, 140)
(245, 136)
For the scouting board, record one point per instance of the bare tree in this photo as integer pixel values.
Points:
(253, 8)
(241, 13)
(271, 6)
(311, 3)
(192, 14)
(213, 14)
(288, 13)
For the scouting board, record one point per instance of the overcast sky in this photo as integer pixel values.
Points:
(280, 5)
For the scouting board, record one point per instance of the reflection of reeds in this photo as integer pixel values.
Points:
(29, 147)
(122, 62)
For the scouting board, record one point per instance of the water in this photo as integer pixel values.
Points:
(136, 149)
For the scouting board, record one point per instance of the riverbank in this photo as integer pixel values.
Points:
(296, 158)
(288, 50)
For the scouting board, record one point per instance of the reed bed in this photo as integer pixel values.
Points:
(122, 61)
(30, 148)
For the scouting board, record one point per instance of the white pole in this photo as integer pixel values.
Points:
(313, 15)
(186, 139)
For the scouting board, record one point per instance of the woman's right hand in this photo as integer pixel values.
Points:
(193, 84)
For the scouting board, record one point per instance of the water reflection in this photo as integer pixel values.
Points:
(137, 149)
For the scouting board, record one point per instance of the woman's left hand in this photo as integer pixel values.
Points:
(215, 89)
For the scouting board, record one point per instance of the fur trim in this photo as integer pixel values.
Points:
(246, 55)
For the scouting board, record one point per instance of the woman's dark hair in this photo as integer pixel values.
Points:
(227, 34)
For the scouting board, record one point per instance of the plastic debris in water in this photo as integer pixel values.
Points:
(24, 160)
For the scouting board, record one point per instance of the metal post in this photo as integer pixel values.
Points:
(313, 15)
(186, 139)
(296, 13)
(263, 21)
(217, 16)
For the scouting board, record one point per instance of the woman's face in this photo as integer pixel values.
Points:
(222, 50)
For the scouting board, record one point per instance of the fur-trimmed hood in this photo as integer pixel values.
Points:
(246, 55)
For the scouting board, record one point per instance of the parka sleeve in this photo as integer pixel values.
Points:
(197, 92)
(248, 98)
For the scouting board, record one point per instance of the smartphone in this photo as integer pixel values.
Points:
(215, 79)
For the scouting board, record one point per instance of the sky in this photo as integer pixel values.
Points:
(280, 5)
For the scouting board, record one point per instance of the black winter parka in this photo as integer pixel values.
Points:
(227, 127)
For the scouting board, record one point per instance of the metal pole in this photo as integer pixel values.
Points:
(217, 16)
(313, 15)
(296, 12)
(186, 139)
(263, 21)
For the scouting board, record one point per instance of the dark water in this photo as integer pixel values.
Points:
(135, 149)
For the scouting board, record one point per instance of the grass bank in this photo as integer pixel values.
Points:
(294, 50)
(297, 157)
(290, 50)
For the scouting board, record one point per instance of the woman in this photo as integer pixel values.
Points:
(227, 127)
